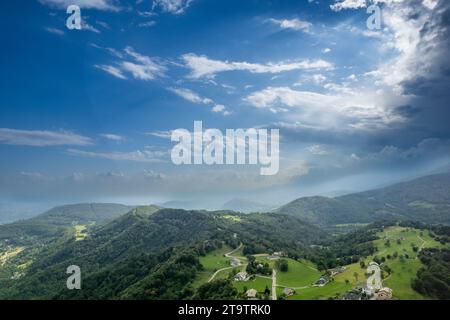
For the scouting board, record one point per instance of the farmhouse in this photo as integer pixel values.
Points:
(384, 294)
(251, 294)
(275, 256)
(321, 282)
(288, 292)
(235, 262)
(365, 290)
(241, 276)
(337, 270)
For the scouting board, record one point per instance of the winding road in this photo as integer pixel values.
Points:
(241, 263)
(228, 255)
(374, 281)
(274, 284)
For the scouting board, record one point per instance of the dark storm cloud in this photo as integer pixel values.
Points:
(431, 86)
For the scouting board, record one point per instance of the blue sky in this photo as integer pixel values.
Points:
(85, 114)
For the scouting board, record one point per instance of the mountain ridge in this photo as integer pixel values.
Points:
(425, 199)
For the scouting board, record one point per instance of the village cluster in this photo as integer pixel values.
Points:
(372, 289)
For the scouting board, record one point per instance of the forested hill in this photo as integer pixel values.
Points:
(142, 242)
(426, 199)
(54, 222)
(82, 213)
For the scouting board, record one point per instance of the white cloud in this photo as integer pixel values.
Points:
(116, 72)
(218, 108)
(87, 27)
(348, 4)
(326, 50)
(318, 150)
(193, 97)
(141, 68)
(147, 24)
(339, 88)
(318, 78)
(145, 67)
(414, 34)
(107, 5)
(56, 31)
(172, 6)
(202, 66)
(146, 14)
(308, 78)
(137, 156)
(293, 24)
(113, 137)
(38, 138)
(421, 51)
(111, 51)
(103, 24)
(430, 4)
(356, 110)
(161, 134)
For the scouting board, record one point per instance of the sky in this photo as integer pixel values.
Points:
(86, 115)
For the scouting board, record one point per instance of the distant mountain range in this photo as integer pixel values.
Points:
(247, 206)
(425, 199)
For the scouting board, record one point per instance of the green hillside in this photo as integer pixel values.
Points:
(425, 199)
(397, 250)
(54, 223)
(161, 238)
(178, 254)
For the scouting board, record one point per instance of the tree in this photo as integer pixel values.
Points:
(282, 265)
(431, 279)
(267, 290)
(362, 264)
(216, 290)
(266, 293)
